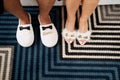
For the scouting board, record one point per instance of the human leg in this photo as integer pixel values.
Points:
(15, 8)
(48, 32)
(72, 7)
(69, 33)
(24, 34)
(88, 6)
(44, 7)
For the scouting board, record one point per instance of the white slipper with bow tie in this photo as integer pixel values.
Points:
(25, 34)
(49, 35)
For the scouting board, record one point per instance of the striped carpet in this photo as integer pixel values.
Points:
(6, 55)
(99, 59)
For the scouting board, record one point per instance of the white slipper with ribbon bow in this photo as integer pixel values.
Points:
(25, 34)
(49, 34)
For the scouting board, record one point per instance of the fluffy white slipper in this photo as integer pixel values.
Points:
(83, 37)
(68, 36)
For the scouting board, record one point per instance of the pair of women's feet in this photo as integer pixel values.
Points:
(82, 37)
(82, 34)
(25, 33)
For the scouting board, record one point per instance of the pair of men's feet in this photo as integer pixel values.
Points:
(25, 34)
(82, 37)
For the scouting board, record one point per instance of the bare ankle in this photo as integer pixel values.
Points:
(25, 19)
(83, 25)
(45, 19)
(83, 20)
(70, 24)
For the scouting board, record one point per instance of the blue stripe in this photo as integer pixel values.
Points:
(34, 62)
(46, 59)
(9, 22)
(8, 27)
(22, 63)
(41, 58)
(52, 57)
(8, 17)
(17, 63)
(8, 41)
(29, 63)
(7, 36)
(11, 31)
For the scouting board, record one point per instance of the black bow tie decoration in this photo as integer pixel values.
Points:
(21, 28)
(49, 27)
